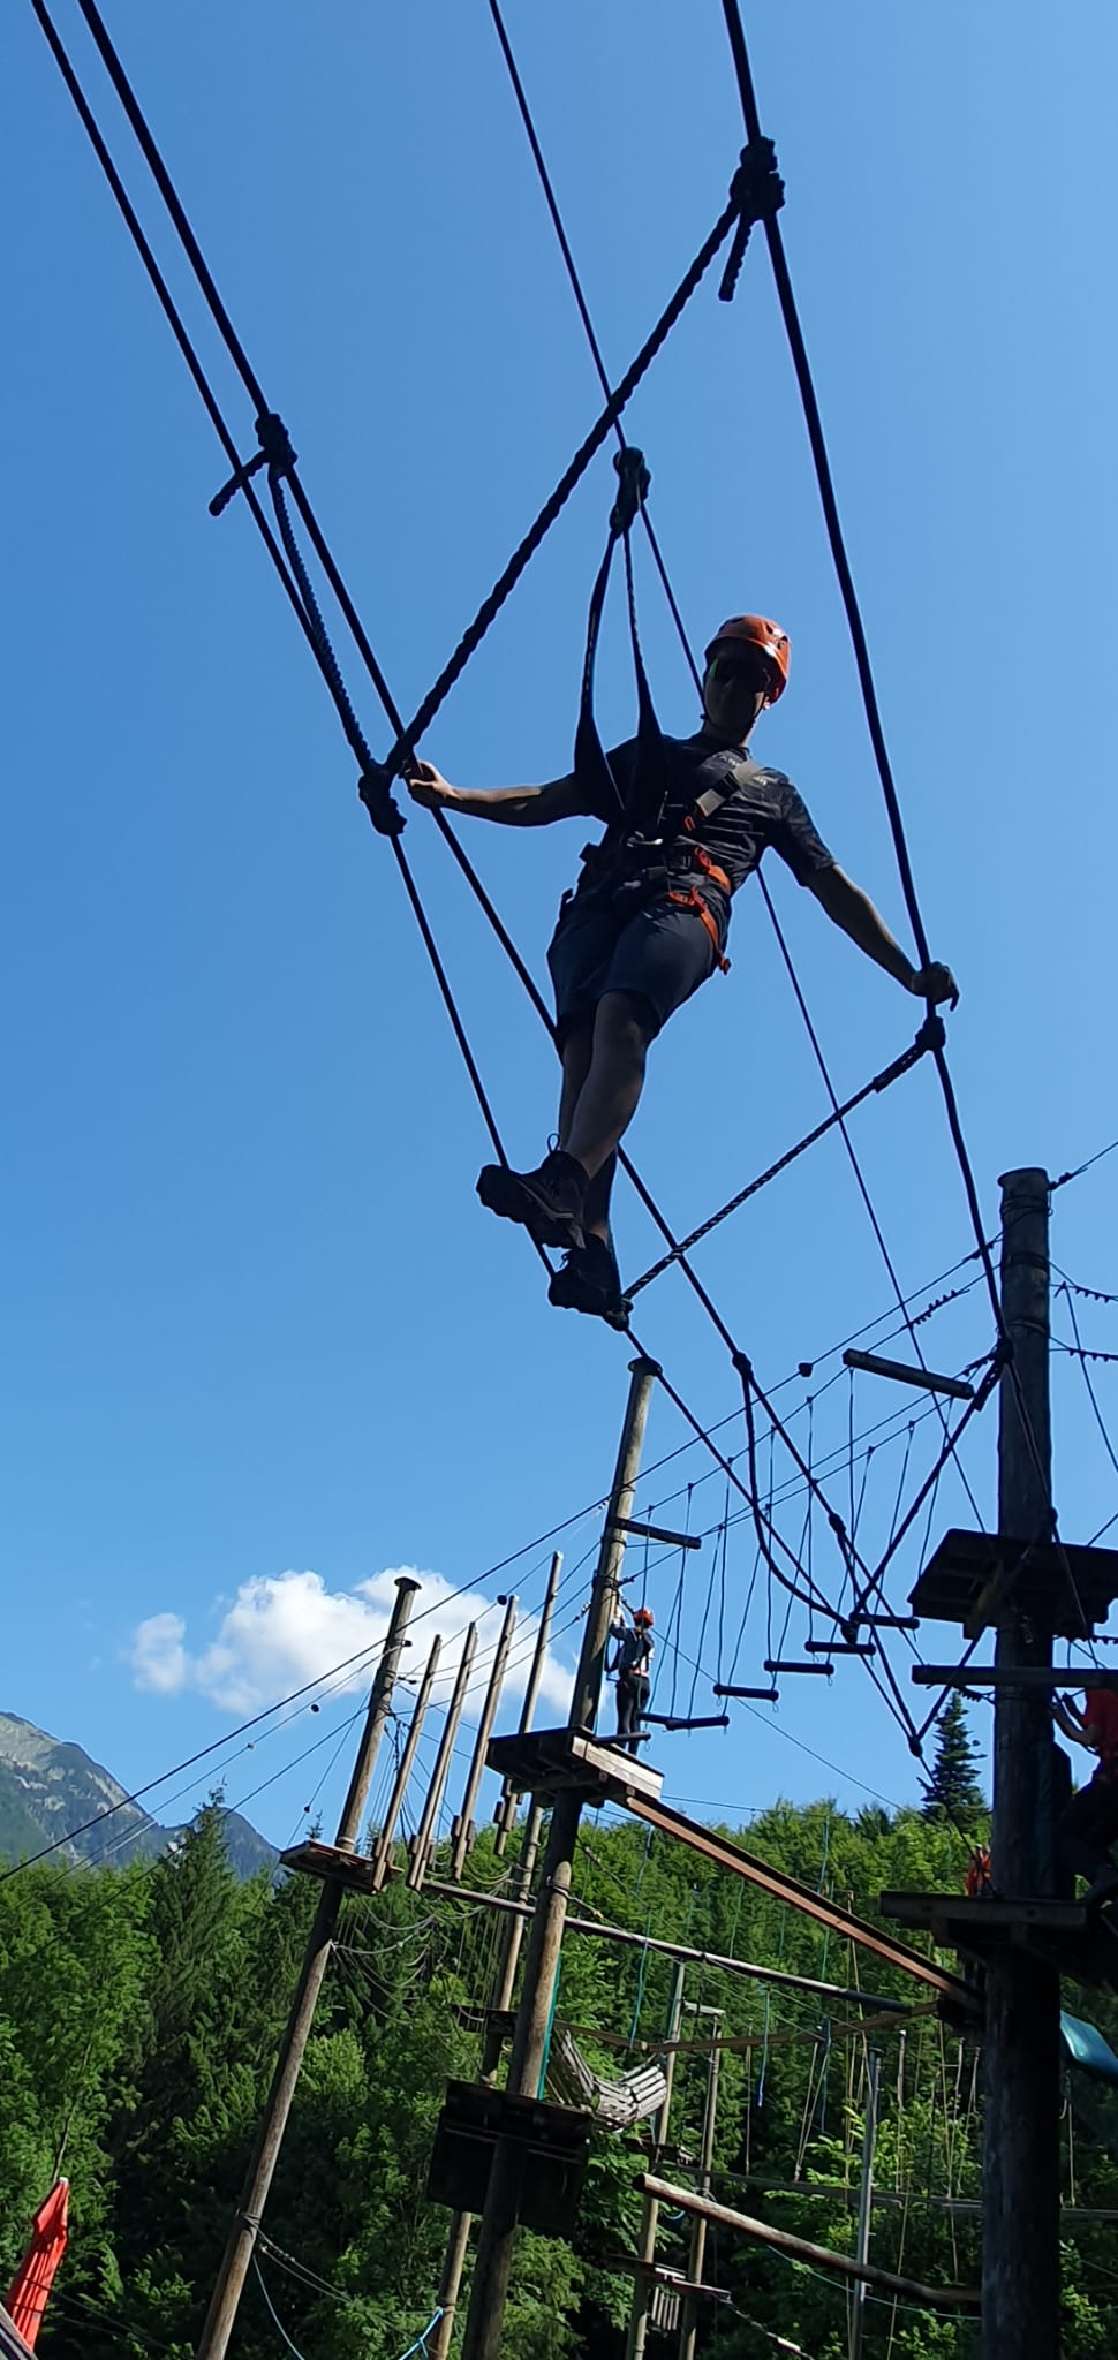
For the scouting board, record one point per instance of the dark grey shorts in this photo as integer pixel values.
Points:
(660, 954)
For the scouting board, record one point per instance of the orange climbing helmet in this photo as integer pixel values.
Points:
(644, 1615)
(761, 632)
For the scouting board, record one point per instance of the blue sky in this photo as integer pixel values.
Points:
(257, 1323)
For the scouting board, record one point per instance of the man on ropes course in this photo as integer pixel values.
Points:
(632, 1669)
(686, 823)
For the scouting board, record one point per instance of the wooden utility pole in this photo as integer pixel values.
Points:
(505, 1813)
(242, 2237)
(1021, 2112)
(650, 2214)
(382, 1850)
(458, 2235)
(865, 2203)
(464, 1831)
(426, 1832)
(689, 2326)
(485, 2319)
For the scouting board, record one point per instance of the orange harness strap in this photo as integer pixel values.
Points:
(693, 900)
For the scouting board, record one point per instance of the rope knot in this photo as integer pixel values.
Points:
(275, 453)
(757, 190)
(932, 1033)
(633, 484)
(375, 790)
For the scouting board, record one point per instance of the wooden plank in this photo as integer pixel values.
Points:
(354, 1870)
(729, 1855)
(800, 2249)
(931, 1909)
(972, 1575)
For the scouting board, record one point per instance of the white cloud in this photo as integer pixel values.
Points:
(283, 1630)
(159, 1659)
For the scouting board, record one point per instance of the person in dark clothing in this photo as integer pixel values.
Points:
(687, 820)
(631, 1666)
(1088, 1828)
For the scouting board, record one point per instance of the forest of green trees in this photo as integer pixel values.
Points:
(139, 2014)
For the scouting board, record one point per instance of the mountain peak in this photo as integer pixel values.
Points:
(49, 1785)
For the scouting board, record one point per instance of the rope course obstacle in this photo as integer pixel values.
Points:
(753, 203)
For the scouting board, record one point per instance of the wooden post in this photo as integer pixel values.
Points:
(650, 2214)
(242, 2237)
(865, 2204)
(1021, 2144)
(689, 2325)
(463, 1830)
(485, 2319)
(382, 1852)
(425, 1832)
(505, 1814)
(500, 1999)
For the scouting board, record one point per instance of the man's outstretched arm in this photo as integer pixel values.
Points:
(853, 910)
(512, 807)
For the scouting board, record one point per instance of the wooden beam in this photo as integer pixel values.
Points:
(727, 1854)
(656, 1532)
(924, 1378)
(800, 2249)
(1018, 1675)
(679, 1950)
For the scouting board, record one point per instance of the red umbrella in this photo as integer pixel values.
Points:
(35, 2276)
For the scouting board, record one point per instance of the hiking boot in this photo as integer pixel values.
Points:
(590, 1281)
(546, 1202)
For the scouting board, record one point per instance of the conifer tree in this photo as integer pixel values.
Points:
(954, 1790)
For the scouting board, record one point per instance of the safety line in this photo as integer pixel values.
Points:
(583, 307)
(603, 379)
(825, 480)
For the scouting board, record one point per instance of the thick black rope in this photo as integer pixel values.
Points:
(836, 538)
(881, 1081)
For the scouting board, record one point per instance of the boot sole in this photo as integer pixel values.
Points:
(503, 1192)
(615, 1310)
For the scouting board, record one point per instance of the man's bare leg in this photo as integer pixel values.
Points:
(610, 1094)
(603, 1074)
(577, 1051)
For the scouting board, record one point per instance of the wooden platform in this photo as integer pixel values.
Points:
(1081, 1942)
(355, 1870)
(554, 2144)
(544, 1761)
(972, 1577)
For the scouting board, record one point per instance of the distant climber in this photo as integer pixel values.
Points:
(1088, 1828)
(686, 823)
(631, 1666)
